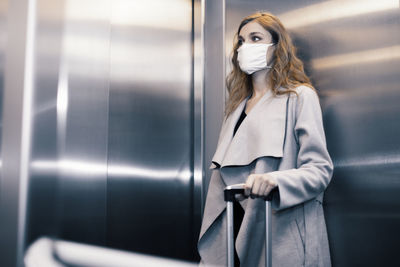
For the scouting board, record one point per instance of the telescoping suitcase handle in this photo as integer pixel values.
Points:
(229, 195)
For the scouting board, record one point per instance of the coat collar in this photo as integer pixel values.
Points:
(261, 133)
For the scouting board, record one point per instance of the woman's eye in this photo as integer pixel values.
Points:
(240, 42)
(255, 38)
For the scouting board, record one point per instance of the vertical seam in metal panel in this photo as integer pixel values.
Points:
(223, 53)
(29, 81)
(110, 14)
(198, 113)
(201, 85)
(192, 125)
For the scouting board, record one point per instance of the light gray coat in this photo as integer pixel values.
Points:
(282, 136)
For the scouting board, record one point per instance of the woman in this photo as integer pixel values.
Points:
(273, 140)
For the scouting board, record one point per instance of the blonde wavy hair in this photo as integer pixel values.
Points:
(287, 70)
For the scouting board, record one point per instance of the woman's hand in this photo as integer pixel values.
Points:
(259, 185)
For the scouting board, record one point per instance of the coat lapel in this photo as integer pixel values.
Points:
(261, 133)
(226, 134)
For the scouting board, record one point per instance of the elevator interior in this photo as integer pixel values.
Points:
(111, 111)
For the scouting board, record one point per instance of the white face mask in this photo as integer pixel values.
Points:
(253, 57)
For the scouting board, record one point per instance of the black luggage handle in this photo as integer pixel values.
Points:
(238, 189)
(232, 190)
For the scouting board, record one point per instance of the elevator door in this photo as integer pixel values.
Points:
(150, 137)
(112, 160)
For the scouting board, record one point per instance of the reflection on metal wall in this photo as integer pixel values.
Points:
(68, 159)
(42, 191)
(111, 99)
(214, 24)
(150, 144)
(351, 50)
(16, 131)
(3, 39)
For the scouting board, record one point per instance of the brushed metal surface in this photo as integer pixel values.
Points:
(82, 124)
(18, 73)
(42, 191)
(198, 115)
(150, 192)
(95, 163)
(3, 43)
(67, 194)
(115, 152)
(214, 82)
(351, 50)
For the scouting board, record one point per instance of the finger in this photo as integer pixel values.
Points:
(256, 185)
(248, 185)
(263, 188)
(268, 190)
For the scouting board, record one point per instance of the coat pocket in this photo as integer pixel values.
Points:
(299, 241)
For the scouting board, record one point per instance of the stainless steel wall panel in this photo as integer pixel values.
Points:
(69, 152)
(150, 143)
(42, 194)
(198, 114)
(351, 50)
(16, 132)
(82, 114)
(114, 155)
(362, 203)
(3, 39)
(214, 82)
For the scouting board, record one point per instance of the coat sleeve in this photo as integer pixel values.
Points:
(314, 165)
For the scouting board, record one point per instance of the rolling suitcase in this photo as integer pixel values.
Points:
(229, 195)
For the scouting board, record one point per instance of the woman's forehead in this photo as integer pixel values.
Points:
(253, 27)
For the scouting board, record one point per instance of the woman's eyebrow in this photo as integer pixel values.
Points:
(253, 33)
